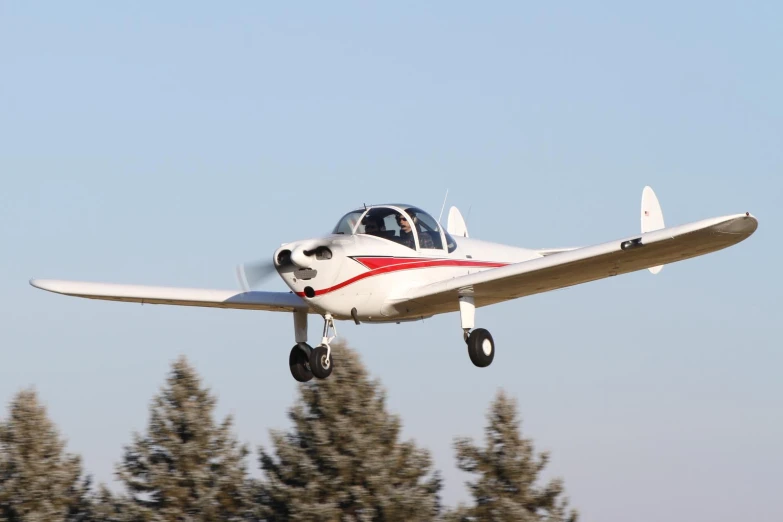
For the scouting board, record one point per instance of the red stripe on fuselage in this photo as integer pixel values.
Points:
(382, 262)
(385, 265)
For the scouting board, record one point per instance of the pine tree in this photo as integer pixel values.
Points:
(186, 467)
(344, 460)
(38, 480)
(107, 507)
(508, 470)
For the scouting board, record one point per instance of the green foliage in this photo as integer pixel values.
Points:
(186, 467)
(38, 480)
(507, 471)
(344, 460)
(105, 507)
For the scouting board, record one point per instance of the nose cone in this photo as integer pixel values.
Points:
(309, 266)
(298, 253)
(302, 256)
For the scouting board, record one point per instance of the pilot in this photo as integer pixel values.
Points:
(406, 233)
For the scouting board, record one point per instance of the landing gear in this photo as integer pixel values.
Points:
(320, 362)
(299, 362)
(306, 362)
(481, 347)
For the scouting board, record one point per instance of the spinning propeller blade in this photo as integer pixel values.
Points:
(251, 275)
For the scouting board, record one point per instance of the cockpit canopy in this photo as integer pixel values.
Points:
(404, 224)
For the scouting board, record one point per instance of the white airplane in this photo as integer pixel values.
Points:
(393, 263)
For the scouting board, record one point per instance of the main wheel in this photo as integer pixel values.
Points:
(481, 347)
(299, 363)
(318, 363)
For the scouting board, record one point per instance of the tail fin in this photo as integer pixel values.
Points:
(652, 217)
(456, 223)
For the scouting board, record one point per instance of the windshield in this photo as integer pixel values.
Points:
(347, 222)
(389, 224)
(427, 228)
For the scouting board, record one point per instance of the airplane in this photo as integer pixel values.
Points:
(391, 263)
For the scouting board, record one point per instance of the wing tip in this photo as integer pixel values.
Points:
(44, 284)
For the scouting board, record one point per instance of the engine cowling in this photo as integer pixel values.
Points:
(303, 254)
(301, 257)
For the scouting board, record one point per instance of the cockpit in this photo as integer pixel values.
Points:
(403, 224)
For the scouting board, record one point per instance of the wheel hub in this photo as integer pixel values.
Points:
(486, 346)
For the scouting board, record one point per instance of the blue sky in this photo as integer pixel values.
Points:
(164, 144)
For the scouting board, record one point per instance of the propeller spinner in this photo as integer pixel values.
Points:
(252, 274)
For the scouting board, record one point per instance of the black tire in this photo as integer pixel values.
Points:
(318, 362)
(299, 363)
(479, 343)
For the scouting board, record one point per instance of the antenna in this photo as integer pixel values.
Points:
(444, 206)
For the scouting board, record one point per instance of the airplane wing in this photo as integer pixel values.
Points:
(270, 301)
(572, 267)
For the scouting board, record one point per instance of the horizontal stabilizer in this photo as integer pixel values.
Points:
(552, 251)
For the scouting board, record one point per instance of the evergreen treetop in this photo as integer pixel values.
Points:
(39, 481)
(343, 460)
(506, 473)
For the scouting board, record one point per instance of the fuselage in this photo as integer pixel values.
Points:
(370, 274)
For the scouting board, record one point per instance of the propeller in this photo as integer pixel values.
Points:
(250, 275)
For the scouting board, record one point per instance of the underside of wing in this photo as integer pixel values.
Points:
(270, 301)
(581, 265)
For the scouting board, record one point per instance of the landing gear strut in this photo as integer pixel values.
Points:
(321, 356)
(305, 361)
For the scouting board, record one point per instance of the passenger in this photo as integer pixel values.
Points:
(374, 227)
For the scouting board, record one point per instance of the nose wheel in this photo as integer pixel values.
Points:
(307, 362)
(321, 362)
(481, 347)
